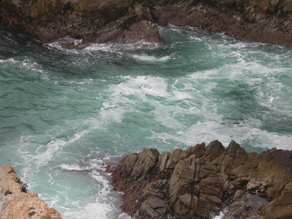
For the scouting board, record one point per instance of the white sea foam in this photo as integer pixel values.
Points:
(148, 58)
(82, 82)
(74, 167)
(196, 38)
(220, 216)
(104, 205)
(112, 115)
(209, 130)
(58, 44)
(90, 211)
(124, 216)
(140, 86)
(10, 60)
(120, 48)
(54, 146)
(106, 47)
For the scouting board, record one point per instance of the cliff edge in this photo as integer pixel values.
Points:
(202, 181)
(131, 21)
(16, 203)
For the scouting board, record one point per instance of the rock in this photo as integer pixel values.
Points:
(245, 206)
(163, 158)
(197, 150)
(202, 181)
(146, 161)
(97, 21)
(214, 150)
(180, 183)
(15, 203)
(132, 21)
(137, 167)
(154, 208)
(174, 157)
(280, 207)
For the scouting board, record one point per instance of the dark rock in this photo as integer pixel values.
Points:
(132, 21)
(202, 181)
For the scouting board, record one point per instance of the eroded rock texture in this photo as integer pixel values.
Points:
(202, 181)
(130, 21)
(15, 203)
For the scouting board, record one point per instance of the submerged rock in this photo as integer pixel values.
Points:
(16, 203)
(131, 21)
(202, 181)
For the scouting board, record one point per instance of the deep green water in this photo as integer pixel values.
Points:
(63, 113)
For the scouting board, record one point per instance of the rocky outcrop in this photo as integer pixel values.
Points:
(203, 180)
(16, 203)
(99, 21)
(130, 21)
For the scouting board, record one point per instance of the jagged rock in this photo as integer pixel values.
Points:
(15, 203)
(146, 161)
(131, 21)
(202, 181)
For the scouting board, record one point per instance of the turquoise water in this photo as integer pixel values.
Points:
(65, 112)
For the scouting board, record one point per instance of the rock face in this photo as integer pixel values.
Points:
(15, 203)
(202, 181)
(130, 21)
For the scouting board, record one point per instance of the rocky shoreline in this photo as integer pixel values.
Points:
(204, 180)
(16, 203)
(132, 21)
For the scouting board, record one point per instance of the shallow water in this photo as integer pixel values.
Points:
(65, 112)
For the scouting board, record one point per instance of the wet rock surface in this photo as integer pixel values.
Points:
(131, 21)
(204, 180)
(16, 203)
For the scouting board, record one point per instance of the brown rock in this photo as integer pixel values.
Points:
(154, 208)
(163, 158)
(146, 161)
(131, 21)
(15, 203)
(214, 150)
(199, 182)
(280, 207)
(174, 157)
(197, 150)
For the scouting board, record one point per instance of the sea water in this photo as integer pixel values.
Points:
(64, 113)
